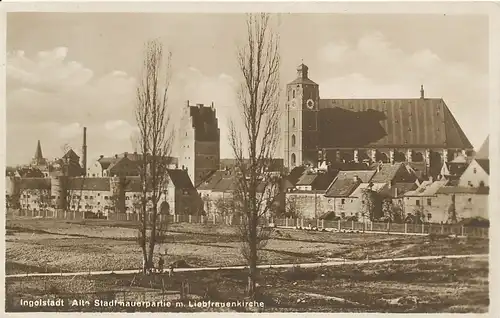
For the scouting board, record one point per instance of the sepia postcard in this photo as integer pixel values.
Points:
(250, 157)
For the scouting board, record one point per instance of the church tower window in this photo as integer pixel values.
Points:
(294, 160)
(293, 122)
(293, 140)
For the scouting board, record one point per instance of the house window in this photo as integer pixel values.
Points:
(86, 197)
(474, 170)
(91, 197)
(342, 201)
(126, 198)
(429, 216)
(469, 200)
(106, 197)
(417, 202)
(469, 183)
(98, 194)
(429, 202)
(293, 93)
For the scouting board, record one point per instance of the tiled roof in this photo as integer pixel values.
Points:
(276, 164)
(387, 172)
(399, 189)
(34, 183)
(427, 188)
(295, 174)
(106, 162)
(418, 122)
(484, 150)
(323, 180)
(27, 172)
(377, 187)
(460, 159)
(71, 155)
(180, 179)
(204, 121)
(345, 182)
(485, 164)
(307, 178)
(463, 190)
(92, 184)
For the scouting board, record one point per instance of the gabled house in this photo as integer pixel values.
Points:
(424, 201)
(476, 175)
(345, 183)
(308, 196)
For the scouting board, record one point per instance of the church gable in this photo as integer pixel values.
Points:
(381, 123)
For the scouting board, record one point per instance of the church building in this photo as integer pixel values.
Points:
(368, 130)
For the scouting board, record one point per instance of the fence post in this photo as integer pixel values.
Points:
(286, 222)
(317, 223)
(241, 219)
(371, 226)
(190, 218)
(322, 223)
(302, 222)
(406, 228)
(423, 228)
(462, 230)
(352, 225)
(214, 218)
(339, 225)
(65, 214)
(442, 228)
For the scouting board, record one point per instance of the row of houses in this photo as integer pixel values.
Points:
(460, 191)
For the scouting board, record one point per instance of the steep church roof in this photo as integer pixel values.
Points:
(484, 151)
(38, 152)
(38, 159)
(417, 122)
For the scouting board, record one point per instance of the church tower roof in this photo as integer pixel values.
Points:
(38, 159)
(303, 75)
(38, 152)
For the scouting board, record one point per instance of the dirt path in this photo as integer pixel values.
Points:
(303, 265)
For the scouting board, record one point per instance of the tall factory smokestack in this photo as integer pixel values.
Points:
(84, 151)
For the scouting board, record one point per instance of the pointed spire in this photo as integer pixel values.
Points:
(38, 152)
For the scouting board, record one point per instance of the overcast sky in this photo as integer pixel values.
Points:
(69, 70)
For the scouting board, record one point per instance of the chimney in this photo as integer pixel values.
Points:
(212, 106)
(199, 105)
(84, 150)
(356, 178)
(187, 103)
(422, 95)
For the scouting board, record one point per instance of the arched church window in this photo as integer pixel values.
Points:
(293, 122)
(293, 94)
(294, 159)
(293, 140)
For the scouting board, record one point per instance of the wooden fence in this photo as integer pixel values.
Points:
(340, 225)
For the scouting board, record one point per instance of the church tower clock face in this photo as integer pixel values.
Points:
(293, 103)
(310, 104)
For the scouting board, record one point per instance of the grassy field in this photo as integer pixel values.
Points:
(444, 285)
(39, 245)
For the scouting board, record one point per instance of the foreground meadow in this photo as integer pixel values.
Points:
(38, 245)
(444, 285)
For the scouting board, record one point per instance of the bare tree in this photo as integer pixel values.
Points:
(259, 63)
(154, 140)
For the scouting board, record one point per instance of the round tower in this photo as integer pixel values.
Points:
(59, 191)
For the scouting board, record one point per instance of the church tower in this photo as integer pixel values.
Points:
(301, 127)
